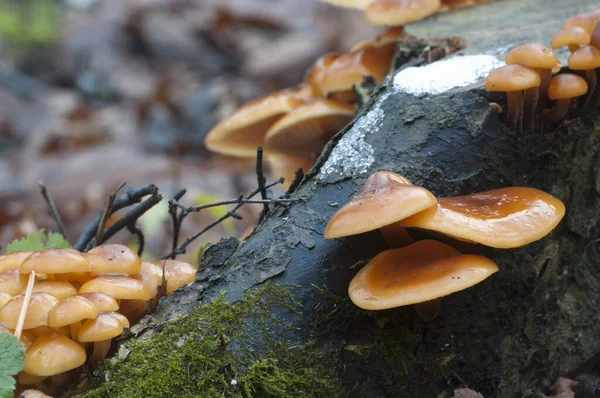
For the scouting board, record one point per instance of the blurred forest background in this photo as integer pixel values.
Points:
(97, 93)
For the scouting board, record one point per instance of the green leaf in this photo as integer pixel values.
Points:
(38, 241)
(12, 359)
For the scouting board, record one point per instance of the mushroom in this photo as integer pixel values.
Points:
(4, 298)
(587, 59)
(120, 287)
(37, 311)
(424, 271)
(70, 312)
(572, 37)
(12, 281)
(584, 20)
(13, 260)
(304, 131)
(55, 261)
(314, 75)
(513, 79)
(113, 259)
(177, 273)
(400, 12)
(595, 34)
(102, 301)
(150, 275)
(58, 289)
(541, 59)
(53, 353)
(100, 331)
(563, 88)
(359, 4)
(384, 199)
(241, 133)
(502, 218)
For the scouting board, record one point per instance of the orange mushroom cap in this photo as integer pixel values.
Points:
(102, 301)
(241, 133)
(385, 198)
(533, 55)
(423, 271)
(55, 261)
(359, 4)
(584, 20)
(305, 131)
(512, 78)
(58, 289)
(502, 218)
(121, 287)
(12, 281)
(37, 311)
(569, 36)
(585, 58)
(70, 310)
(113, 258)
(13, 260)
(53, 353)
(565, 86)
(400, 12)
(104, 327)
(177, 273)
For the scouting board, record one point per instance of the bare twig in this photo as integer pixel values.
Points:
(26, 300)
(230, 214)
(107, 213)
(135, 230)
(238, 200)
(131, 197)
(127, 219)
(297, 180)
(53, 210)
(260, 177)
(176, 217)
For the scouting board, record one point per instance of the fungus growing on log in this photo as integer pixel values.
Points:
(585, 59)
(502, 218)
(424, 271)
(563, 88)
(53, 353)
(120, 287)
(100, 331)
(113, 259)
(572, 37)
(37, 311)
(584, 20)
(55, 261)
(177, 273)
(384, 199)
(513, 79)
(400, 12)
(58, 289)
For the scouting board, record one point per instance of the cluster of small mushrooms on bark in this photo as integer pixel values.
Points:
(294, 125)
(424, 271)
(533, 78)
(66, 306)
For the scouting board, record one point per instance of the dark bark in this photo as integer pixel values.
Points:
(512, 334)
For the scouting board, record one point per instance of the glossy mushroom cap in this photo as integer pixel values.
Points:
(37, 311)
(113, 259)
(13, 260)
(503, 218)
(53, 353)
(70, 310)
(58, 289)
(359, 4)
(315, 73)
(55, 261)
(400, 12)
(533, 55)
(12, 281)
(120, 287)
(241, 133)
(4, 298)
(102, 301)
(585, 58)
(305, 131)
(585, 20)
(570, 36)
(150, 274)
(387, 199)
(566, 85)
(104, 327)
(423, 271)
(177, 273)
(512, 78)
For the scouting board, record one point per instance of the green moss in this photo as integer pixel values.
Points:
(202, 353)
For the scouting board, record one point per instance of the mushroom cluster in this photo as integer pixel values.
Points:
(419, 272)
(528, 78)
(293, 125)
(73, 303)
(401, 12)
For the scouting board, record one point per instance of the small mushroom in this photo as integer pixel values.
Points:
(584, 20)
(177, 273)
(13, 260)
(113, 259)
(541, 59)
(424, 271)
(586, 59)
(55, 261)
(572, 37)
(37, 311)
(563, 88)
(100, 331)
(502, 218)
(12, 281)
(58, 289)
(53, 353)
(71, 310)
(384, 199)
(400, 12)
(150, 275)
(241, 133)
(102, 301)
(120, 287)
(513, 79)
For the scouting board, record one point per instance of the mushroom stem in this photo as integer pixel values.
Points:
(396, 236)
(530, 107)
(26, 300)
(100, 350)
(590, 77)
(515, 108)
(428, 310)
(545, 78)
(559, 110)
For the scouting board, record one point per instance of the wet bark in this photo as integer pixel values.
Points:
(512, 334)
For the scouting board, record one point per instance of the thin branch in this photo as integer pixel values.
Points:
(127, 219)
(135, 230)
(239, 200)
(53, 209)
(25, 307)
(176, 218)
(107, 213)
(298, 176)
(132, 197)
(260, 177)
